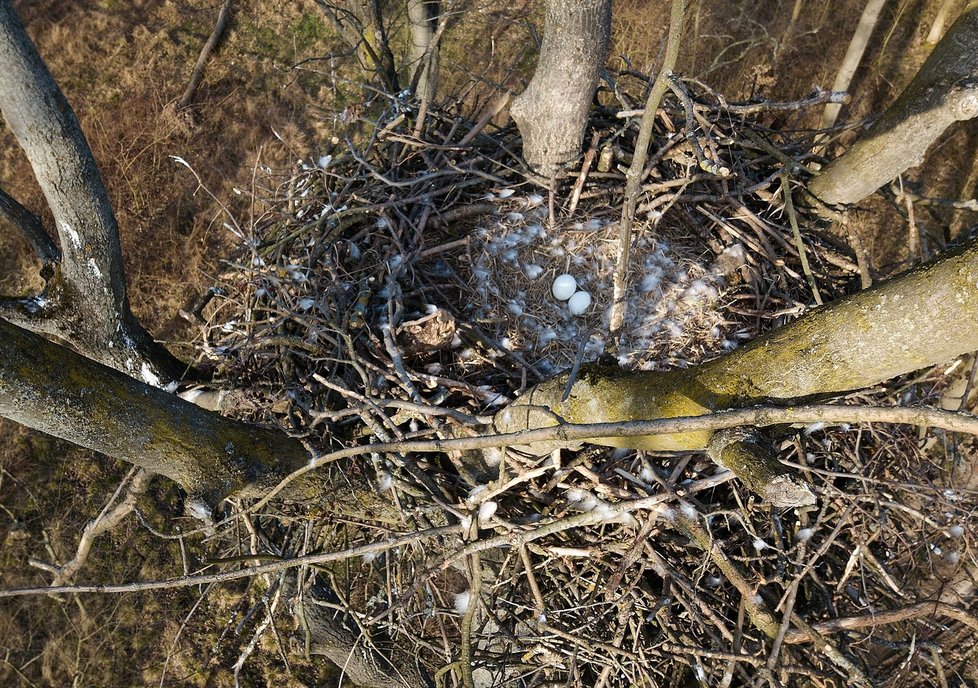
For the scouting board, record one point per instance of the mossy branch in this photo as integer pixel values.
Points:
(923, 317)
(57, 391)
(944, 91)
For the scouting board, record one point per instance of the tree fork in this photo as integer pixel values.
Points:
(944, 91)
(90, 307)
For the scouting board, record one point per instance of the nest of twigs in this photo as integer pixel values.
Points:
(386, 286)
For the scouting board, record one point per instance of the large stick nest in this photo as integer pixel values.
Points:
(398, 287)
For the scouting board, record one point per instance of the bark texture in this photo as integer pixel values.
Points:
(422, 51)
(920, 318)
(76, 398)
(944, 91)
(552, 112)
(28, 223)
(332, 635)
(54, 390)
(86, 301)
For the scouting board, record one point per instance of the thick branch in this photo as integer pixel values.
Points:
(854, 55)
(33, 313)
(94, 307)
(45, 126)
(332, 635)
(422, 52)
(891, 616)
(944, 91)
(52, 389)
(743, 452)
(923, 317)
(547, 437)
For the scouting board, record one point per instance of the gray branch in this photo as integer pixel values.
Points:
(333, 634)
(197, 76)
(28, 223)
(943, 92)
(91, 289)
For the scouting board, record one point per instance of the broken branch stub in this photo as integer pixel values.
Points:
(920, 318)
(744, 452)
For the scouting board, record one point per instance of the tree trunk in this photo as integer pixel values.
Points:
(360, 23)
(944, 91)
(422, 55)
(920, 318)
(52, 389)
(86, 301)
(553, 110)
(331, 635)
(853, 56)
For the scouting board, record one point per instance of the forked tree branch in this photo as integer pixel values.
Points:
(46, 128)
(944, 91)
(90, 295)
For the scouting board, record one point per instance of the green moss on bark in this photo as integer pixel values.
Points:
(54, 390)
(923, 317)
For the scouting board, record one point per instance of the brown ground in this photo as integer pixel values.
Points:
(122, 63)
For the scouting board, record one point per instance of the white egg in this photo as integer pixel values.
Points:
(579, 303)
(564, 287)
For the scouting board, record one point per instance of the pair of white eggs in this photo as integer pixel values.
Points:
(564, 288)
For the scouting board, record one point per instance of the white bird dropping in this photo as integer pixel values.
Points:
(579, 303)
(564, 287)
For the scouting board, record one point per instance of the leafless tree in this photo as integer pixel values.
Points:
(106, 393)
